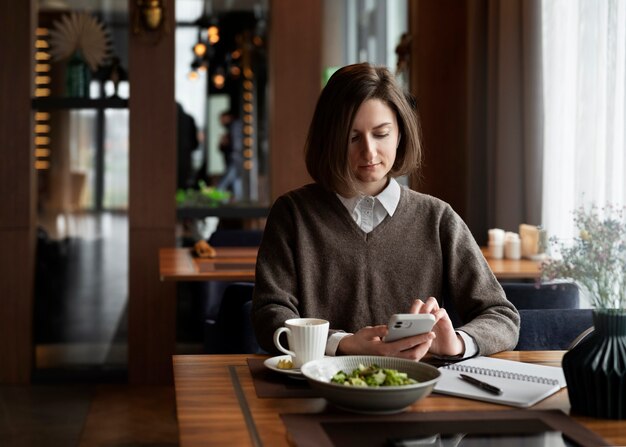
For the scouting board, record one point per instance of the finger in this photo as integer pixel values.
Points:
(372, 332)
(441, 314)
(417, 352)
(430, 306)
(408, 343)
(416, 306)
(443, 325)
(379, 331)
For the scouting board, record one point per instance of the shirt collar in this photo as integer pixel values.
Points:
(388, 198)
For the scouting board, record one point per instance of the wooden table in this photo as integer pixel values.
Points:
(217, 404)
(230, 264)
(237, 264)
(513, 268)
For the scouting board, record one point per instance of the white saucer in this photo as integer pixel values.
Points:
(272, 363)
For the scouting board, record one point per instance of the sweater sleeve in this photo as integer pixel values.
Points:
(485, 312)
(275, 291)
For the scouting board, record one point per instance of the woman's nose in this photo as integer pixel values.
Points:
(369, 148)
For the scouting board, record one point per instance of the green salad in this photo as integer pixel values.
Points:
(373, 376)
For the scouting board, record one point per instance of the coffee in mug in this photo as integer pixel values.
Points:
(306, 338)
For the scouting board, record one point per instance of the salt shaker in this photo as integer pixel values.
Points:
(496, 243)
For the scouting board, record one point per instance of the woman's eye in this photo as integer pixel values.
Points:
(354, 138)
(382, 135)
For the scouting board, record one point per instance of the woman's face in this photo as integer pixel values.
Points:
(372, 146)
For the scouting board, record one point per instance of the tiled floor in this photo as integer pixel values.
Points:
(79, 396)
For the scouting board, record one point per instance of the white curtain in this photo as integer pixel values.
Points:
(584, 60)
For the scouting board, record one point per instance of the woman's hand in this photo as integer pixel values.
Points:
(447, 341)
(368, 341)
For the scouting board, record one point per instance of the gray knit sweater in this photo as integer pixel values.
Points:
(315, 261)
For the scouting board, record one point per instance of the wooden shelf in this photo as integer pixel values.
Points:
(51, 103)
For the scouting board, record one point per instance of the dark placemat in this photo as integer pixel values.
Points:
(515, 427)
(268, 383)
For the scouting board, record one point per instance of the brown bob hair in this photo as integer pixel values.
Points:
(326, 150)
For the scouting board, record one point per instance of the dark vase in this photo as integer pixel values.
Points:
(77, 77)
(595, 369)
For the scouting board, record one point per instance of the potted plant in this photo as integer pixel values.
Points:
(595, 369)
(208, 196)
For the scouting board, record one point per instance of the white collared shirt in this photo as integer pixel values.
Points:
(368, 212)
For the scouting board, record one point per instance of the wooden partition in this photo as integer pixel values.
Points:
(152, 209)
(448, 78)
(440, 84)
(17, 191)
(295, 74)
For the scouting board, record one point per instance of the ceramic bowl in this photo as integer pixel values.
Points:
(370, 400)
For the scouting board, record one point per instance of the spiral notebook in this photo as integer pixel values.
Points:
(522, 384)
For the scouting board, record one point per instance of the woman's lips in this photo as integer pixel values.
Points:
(370, 166)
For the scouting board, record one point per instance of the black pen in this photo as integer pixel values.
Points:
(480, 384)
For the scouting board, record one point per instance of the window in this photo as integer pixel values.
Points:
(584, 60)
(221, 69)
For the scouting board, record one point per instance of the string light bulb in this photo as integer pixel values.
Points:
(199, 49)
(213, 34)
(219, 80)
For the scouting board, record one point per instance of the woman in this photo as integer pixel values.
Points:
(355, 247)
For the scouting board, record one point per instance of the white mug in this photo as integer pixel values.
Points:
(306, 338)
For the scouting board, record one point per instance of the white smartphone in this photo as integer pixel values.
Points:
(407, 325)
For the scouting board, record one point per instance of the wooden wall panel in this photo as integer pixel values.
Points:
(151, 310)
(16, 305)
(17, 192)
(152, 152)
(152, 213)
(449, 78)
(439, 82)
(477, 122)
(295, 83)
